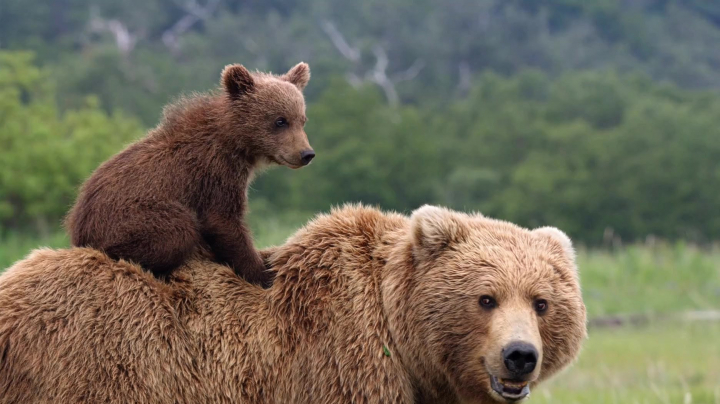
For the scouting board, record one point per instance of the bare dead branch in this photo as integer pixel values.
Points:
(195, 13)
(465, 81)
(381, 58)
(378, 74)
(349, 52)
(411, 72)
(124, 39)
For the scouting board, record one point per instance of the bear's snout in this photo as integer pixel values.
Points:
(306, 156)
(520, 358)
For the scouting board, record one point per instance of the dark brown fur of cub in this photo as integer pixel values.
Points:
(184, 186)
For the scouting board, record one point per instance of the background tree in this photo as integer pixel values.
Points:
(46, 154)
(589, 115)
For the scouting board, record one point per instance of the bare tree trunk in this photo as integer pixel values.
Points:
(378, 74)
(124, 39)
(195, 13)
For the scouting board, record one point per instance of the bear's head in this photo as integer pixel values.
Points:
(489, 309)
(267, 114)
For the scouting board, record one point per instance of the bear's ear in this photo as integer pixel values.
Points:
(559, 236)
(434, 229)
(298, 75)
(237, 81)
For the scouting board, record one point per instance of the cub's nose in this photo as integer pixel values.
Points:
(307, 156)
(520, 358)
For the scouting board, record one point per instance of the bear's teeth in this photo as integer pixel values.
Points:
(510, 383)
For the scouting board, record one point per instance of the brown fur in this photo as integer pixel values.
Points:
(185, 184)
(78, 326)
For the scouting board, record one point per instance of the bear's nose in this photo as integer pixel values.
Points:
(307, 156)
(520, 358)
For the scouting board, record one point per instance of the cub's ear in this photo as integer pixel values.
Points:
(298, 75)
(560, 237)
(434, 229)
(237, 81)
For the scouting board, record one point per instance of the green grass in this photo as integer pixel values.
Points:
(662, 363)
(271, 229)
(16, 246)
(650, 279)
(268, 230)
(667, 361)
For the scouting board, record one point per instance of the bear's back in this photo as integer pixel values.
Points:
(71, 320)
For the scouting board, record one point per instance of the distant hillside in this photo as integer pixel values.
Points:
(135, 54)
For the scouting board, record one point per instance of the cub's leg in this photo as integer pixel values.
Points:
(158, 236)
(231, 242)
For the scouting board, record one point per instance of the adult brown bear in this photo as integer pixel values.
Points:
(367, 307)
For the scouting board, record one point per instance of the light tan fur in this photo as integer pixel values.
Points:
(366, 307)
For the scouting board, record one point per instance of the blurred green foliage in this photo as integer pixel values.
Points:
(45, 155)
(586, 151)
(126, 53)
(600, 117)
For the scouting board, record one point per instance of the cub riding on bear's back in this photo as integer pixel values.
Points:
(184, 186)
(370, 307)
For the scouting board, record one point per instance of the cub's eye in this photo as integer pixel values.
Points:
(541, 306)
(281, 122)
(487, 302)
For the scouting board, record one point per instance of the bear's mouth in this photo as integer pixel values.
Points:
(510, 390)
(284, 162)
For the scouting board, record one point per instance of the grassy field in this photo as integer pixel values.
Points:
(676, 363)
(664, 361)
(650, 279)
(17, 246)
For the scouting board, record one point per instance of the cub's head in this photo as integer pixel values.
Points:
(492, 308)
(270, 111)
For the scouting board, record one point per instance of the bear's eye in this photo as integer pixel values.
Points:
(281, 122)
(487, 302)
(541, 306)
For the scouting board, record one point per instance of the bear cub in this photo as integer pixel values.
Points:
(183, 188)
